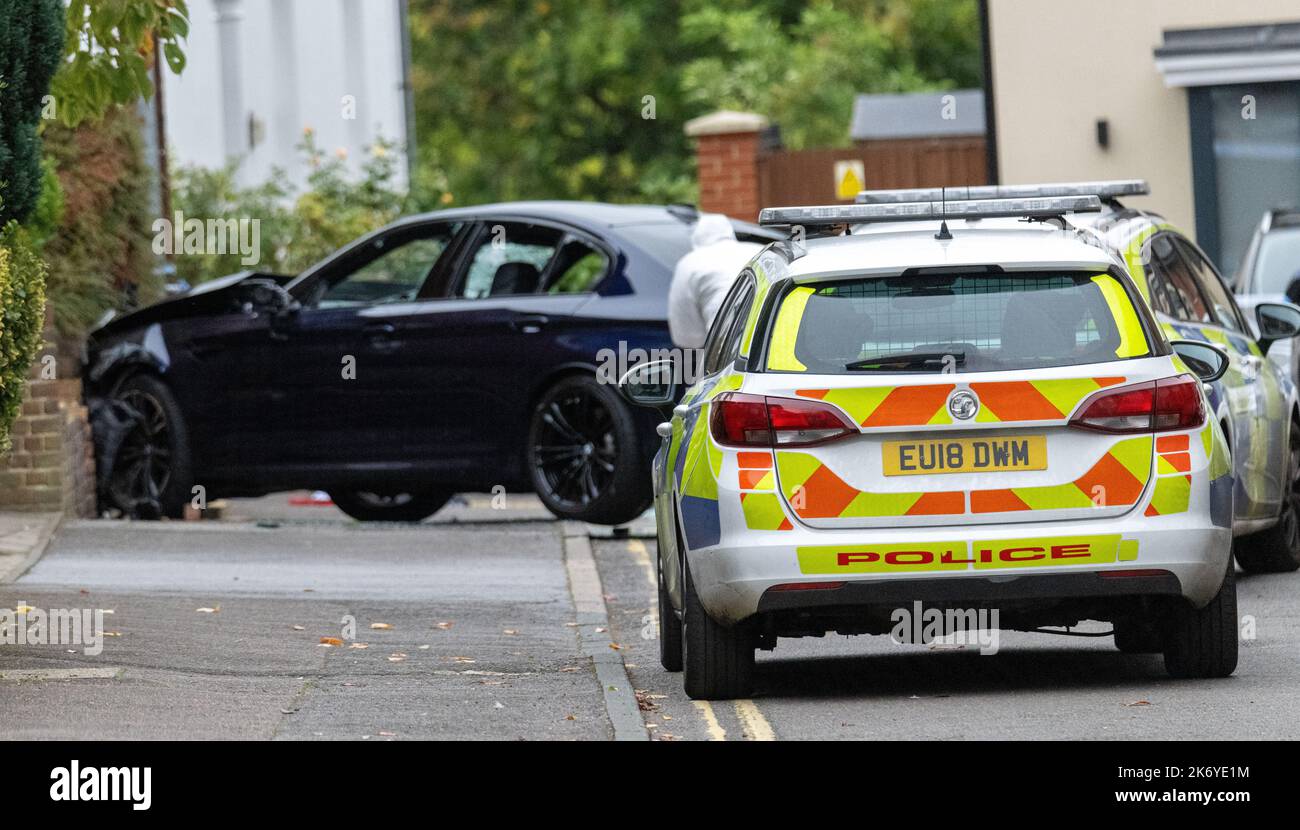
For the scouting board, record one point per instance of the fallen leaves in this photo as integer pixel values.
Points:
(213, 610)
(381, 626)
(331, 641)
(443, 626)
(1143, 702)
(397, 657)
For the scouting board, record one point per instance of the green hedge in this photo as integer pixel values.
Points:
(22, 297)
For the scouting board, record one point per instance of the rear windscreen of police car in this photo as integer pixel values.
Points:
(956, 323)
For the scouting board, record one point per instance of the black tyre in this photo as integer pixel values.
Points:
(1203, 642)
(1138, 638)
(670, 631)
(152, 472)
(584, 458)
(390, 505)
(718, 659)
(1277, 549)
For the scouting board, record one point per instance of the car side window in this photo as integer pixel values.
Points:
(577, 268)
(509, 258)
(723, 343)
(1173, 288)
(1220, 301)
(393, 270)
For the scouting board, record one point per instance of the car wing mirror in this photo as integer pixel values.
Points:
(268, 297)
(1207, 362)
(655, 384)
(1277, 321)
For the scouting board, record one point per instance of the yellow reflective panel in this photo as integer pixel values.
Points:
(1132, 340)
(781, 355)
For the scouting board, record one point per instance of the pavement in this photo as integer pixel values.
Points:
(480, 625)
(23, 537)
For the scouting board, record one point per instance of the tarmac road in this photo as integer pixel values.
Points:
(493, 635)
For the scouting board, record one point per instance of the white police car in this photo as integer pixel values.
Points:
(980, 412)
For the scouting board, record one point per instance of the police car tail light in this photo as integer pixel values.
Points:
(1178, 403)
(740, 420)
(1155, 406)
(797, 423)
(743, 420)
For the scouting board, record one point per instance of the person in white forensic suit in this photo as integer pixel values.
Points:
(703, 277)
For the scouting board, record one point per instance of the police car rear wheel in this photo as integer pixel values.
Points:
(1277, 550)
(583, 454)
(718, 659)
(1202, 642)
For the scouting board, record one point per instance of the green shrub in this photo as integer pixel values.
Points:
(98, 254)
(22, 298)
(297, 229)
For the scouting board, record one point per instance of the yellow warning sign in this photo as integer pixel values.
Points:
(849, 179)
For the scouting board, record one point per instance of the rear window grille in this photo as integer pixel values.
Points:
(987, 322)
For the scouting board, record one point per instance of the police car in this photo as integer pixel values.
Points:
(966, 403)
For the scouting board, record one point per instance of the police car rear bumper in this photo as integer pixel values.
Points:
(1158, 556)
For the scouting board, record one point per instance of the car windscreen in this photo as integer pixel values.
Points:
(982, 322)
(1279, 261)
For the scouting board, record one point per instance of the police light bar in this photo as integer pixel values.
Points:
(1101, 189)
(927, 210)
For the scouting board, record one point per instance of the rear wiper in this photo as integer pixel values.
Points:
(908, 360)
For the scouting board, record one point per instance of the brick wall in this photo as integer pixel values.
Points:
(51, 463)
(728, 146)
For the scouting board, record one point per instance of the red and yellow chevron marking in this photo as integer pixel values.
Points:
(1173, 490)
(925, 405)
(1036, 400)
(758, 499)
(814, 491)
(1116, 480)
(889, 406)
(763, 512)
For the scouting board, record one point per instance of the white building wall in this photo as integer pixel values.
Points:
(297, 59)
(1058, 67)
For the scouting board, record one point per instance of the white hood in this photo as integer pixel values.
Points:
(710, 229)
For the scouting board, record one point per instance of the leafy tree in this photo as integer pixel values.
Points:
(805, 74)
(31, 46)
(547, 99)
(110, 52)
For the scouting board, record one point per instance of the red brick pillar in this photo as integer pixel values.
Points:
(727, 148)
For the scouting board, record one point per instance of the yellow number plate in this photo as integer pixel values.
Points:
(965, 455)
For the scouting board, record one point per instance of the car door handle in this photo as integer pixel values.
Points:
(529, 323)
(664, 430)
(681, 410)
(381, 336)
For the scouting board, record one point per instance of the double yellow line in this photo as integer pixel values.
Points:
(753, 724)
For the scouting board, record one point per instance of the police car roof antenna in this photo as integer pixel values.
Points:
(943, 233)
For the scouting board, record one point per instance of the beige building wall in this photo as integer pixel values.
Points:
(1059, 67)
